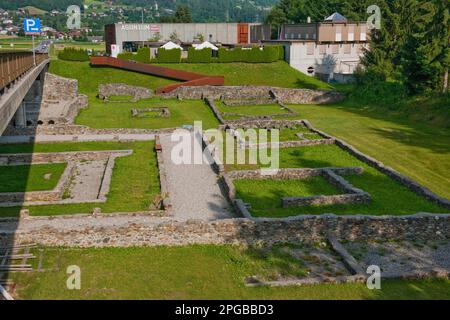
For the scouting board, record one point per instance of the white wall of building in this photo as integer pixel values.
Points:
(305, 55)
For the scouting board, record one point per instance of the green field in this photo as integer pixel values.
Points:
(415, 148)
(119, 114)
(278, 74)
(388, 196)
(25, 178)
(134, 184)
(193, 272)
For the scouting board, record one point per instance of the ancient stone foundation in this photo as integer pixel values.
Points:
(243, 231)
(105, 91)
(243, 93)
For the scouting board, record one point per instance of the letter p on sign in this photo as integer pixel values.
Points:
(31, 26)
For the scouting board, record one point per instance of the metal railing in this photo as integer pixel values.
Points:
(15, 64)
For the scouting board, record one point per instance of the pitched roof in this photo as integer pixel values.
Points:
(336, 17)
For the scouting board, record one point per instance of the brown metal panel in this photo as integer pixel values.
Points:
(243, 33)
(110, 36)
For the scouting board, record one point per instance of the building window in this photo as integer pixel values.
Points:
(323, 49)
(347, 49)
(363, 36)
(338, 33)
(335, 49)
(310, 48)
(351, 33)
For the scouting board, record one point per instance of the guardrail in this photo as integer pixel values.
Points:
(15, 64)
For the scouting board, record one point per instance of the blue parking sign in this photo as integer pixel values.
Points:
(32, 26)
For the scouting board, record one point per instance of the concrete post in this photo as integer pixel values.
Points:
(20, 118)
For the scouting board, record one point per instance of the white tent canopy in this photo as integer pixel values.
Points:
(171, 45)
(205, 45)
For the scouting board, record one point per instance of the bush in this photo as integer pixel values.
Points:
(253, 55)
(169, 56)
(126, 56)
(73, 54)
(143, 55)
(199, 56)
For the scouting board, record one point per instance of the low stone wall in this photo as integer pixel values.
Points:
(166, 202)
(121, 89)
(8, 199)
(79, 130)
(284, 95)
(352, 195)
(59, 157)
(243, 231)
(406, 181)
(58, 88)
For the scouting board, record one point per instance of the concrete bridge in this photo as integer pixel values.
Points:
(20, 81)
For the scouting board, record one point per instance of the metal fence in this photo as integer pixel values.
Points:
(15, 64)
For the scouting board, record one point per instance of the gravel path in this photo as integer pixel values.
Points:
(80, 223)
(193, 188)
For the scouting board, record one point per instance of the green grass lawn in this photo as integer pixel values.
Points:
(414, 148)
(119, 114)
(266, 195)
(278, 74)
(193, 272)
(250, 110)
(134, 184)
(388, 196)
(25, 178)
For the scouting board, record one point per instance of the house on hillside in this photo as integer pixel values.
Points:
(330, 50)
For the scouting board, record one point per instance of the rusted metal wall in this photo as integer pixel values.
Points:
(191, 78)
(15, 64)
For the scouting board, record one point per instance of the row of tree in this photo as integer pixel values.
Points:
(412, 44)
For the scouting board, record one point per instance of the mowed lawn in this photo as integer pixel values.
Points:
(25, 178)
(192, 272)
(118, 114)
(134, 185)
(418, 150)
(388, 196)
(277, 74)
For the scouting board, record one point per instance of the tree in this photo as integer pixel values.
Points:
(425, 57)
(182, 15)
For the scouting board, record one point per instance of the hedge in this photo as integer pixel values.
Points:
(199, 56)
(142, 55)
(169, 56)
(73, 54)
(253, 55)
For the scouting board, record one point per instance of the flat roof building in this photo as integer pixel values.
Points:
(126, 36)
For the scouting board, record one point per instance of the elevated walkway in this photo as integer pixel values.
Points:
(189, 78)
(17, 75)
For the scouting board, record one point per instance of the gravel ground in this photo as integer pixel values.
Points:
(80, 223)
(193, 188)
(87, 180)
(396, 258)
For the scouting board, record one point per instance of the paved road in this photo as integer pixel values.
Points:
(193, 188)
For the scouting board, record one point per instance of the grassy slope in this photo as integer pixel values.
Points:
(30, 178)
(278, 74)
(388, 196)
(419, 150)
(134, 185)
(180, 273)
